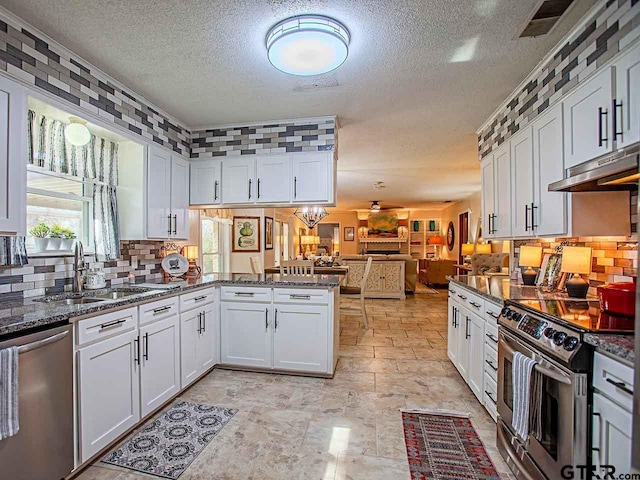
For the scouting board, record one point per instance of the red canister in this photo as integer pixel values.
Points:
(618, 298)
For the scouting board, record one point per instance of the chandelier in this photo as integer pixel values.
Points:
(310, 216)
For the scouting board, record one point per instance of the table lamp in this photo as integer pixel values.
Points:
(483, 248)
(436, 241)
(577, 261)
(530, 257)
(467, 251)
(191, 254)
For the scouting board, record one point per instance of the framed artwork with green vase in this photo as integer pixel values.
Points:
(246, 234)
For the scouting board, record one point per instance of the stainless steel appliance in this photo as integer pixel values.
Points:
(551, 332)
(43, 447)
(635, 454)
(614, 171)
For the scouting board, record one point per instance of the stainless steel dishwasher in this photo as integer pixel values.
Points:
(43, 447)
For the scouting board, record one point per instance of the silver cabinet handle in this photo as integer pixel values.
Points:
(477, 305)
(161, 309)
(200, 323)
(215, 190)
(275, 320)
(249, 189)
(258, 189)
(41, 343)
(294, 296)
(466, 329)
(169, 217)
(492, 365)
(145, 346)
(136, 350)
(462, 297)
(494, 339)
(266, 318)
(491, 314)
(453, 291)
(175, 224)
(295, 187)
(491, 397)
(244, 294)
(621, 385)
(198, 299)
(204, 322)
(115, 323)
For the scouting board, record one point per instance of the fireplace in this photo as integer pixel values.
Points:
(382, 252)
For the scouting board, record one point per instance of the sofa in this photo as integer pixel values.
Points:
(434, 272)
(410, 267)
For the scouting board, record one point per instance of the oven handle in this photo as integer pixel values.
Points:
(547, 372)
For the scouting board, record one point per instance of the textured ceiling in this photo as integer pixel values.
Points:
(421, 75)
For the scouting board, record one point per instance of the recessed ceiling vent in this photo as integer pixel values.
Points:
(544, 18)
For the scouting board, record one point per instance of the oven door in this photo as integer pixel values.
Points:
(555, 447)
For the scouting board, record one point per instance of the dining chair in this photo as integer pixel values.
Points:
(362, 311)
(255, 264)
(296, 267)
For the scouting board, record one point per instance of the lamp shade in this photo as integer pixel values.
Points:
(306, 239)
(190, 251)
(403, 222)
(576, 260)
(483, 248)
(467, 249)
(530, 256)
(436, 240)
(316, 240)
(506, 246)
(363, 223)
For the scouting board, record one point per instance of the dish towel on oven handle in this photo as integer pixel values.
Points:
(9, 425)
(521, 379)
(535, 419)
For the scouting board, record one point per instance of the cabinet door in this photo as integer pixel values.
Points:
(550, 214)
(238, 180)
(392, 279)
(475, 342)
(375, 283)
(207, 337)
(160, 357)
(13, 152)
(627, 113)
(522, 181)
(488, 199)
(612, 426)
(273, 182)
(452, 332)
(108, 391)
(180, 197)
(300, 337)
(159, 224)
(312, 180)
(245, 334)
(189, 326)
(204, 182)
(588, 119)
(464, 320)
(502, 192)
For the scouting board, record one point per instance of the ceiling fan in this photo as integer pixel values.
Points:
(376, 207)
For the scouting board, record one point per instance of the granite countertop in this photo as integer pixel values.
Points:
(31, 314)
(621, 346)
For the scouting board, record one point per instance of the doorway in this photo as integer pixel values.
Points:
(329, 234)
(463, 237)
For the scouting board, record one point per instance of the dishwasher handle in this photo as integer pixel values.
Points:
(41, 343)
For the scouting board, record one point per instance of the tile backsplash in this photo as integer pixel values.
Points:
(48, 275)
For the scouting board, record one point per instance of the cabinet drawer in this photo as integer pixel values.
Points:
(490, 396)
(105, 326)
(150, 312)
(298, 295)
(473, 302)
(491, 312)
(614, 379)
(193, 300)
(491, 335)
(491, 363)
(245, 294)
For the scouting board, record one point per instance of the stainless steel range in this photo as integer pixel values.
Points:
(550, 331)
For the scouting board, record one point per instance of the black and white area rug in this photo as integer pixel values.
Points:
(167, 444)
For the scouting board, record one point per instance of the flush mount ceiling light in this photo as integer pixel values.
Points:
(77, 133)
(375, 206)
(310, 216)
(307, 45)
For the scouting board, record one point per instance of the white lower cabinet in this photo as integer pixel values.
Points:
(612, 426)
(452, 334)
(198, 343)
(300, 337)
(108, 391)
(245, 334)
(160, 359)
(475, 343)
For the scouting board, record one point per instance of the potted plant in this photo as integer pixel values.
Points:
(55, 237)
(68, 236)
(39, 234)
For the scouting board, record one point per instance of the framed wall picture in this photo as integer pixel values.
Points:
(246, 234)
(349, 234)
(268, 233)
(451, 236)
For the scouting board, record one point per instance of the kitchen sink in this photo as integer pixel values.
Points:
(93, 297)
(77, 301)
(115, 295)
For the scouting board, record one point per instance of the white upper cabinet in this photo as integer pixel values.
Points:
(502, 191)
(588, 120)
(313, 177)
(205, 182)
(159, 223)
(13, 154)
(522, 181)
(549, 213)
(627, 101)
(238, 180)
(272, 183)
(488, 200)
(180, 197)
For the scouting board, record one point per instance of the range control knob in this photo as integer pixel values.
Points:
(548, 332)
(570, 343)
(559, 338)
(504, 311)
(516, 317)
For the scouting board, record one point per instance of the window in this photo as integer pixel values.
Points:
(59, 199)
(215, 240)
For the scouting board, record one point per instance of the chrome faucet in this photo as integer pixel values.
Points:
(79, 266)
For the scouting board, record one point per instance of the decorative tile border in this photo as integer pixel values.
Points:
(293, 136)
(49, 275)
(614, 26)
(29, 56)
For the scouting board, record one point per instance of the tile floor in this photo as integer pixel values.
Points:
(349, 427)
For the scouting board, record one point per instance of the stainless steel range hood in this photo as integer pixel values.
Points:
(614, 171)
